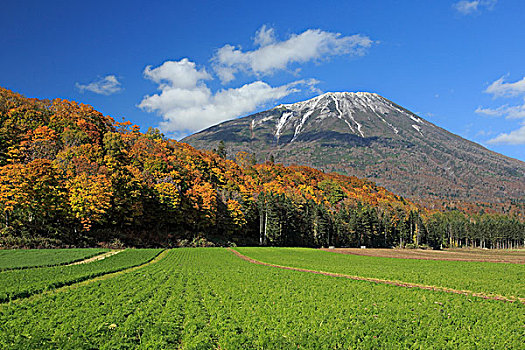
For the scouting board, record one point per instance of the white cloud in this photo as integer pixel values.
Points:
(484, 133)
(104, 86)
(187, 104)
(509, 112)
(273, 55)
(500, 89)
(181, 74)
(466, 7)
(264, 36)
(516, 137)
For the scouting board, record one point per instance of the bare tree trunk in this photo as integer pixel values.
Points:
(261, 226)
(265, 225)
(412, 232)
(280, 231)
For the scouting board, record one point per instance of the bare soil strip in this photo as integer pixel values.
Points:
(97, 257)
(159, 257)
(377, 280)
(495, 256)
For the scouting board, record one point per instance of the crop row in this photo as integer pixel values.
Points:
(480, 277)
(22, 283)
(27, 258)
(209, 298)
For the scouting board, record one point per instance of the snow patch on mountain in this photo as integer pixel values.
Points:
(257, 122)
(418, 128)
(340, 114)
(300, 126)
(281, 123)
(355, 109)
(417, 120)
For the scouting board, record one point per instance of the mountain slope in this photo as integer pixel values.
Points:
(366, 135)
(71, 176)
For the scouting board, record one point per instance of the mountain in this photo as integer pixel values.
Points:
(70, 176)
(367, 135)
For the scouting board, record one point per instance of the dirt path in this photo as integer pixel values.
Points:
(495, 256)
(97, 257)
(159, 257)
(377, 280)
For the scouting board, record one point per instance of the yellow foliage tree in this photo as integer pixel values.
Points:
(89, 198)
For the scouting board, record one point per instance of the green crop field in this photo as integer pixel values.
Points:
(479, 277)
(21, 283)
(20, 259)
(208, 298)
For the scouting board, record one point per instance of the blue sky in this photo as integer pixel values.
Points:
(182, 66)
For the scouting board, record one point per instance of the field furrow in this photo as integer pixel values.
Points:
(382, 281)
(209, 298)
(16, 284)
(96, 257)
(496, 280)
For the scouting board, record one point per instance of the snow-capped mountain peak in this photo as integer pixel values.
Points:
(363, 114)
(367, 135)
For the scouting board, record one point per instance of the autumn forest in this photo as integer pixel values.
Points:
(70, 176)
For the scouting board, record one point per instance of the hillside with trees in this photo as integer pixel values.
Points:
(366, 135)
(70, 176)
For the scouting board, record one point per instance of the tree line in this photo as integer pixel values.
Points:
(70, 176)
